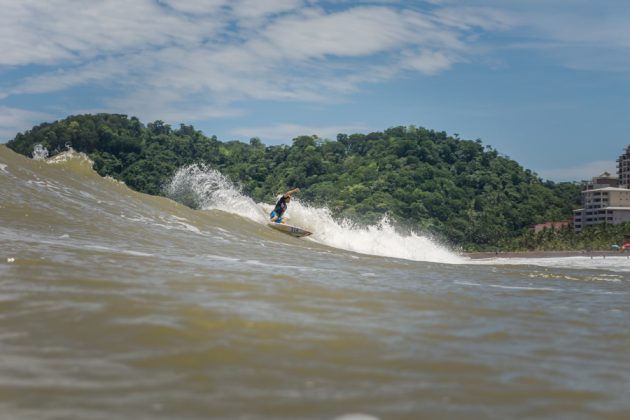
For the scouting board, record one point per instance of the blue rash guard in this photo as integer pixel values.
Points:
(281, 207)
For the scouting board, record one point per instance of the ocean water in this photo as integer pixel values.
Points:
(115, 304)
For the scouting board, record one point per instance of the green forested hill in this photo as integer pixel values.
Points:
(423, 179)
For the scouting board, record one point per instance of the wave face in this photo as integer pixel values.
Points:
(115, 304)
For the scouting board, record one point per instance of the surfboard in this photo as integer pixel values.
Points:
(291, 230)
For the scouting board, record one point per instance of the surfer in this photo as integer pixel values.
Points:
(281, 206)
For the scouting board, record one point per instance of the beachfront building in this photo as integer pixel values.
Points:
(602, 205)
(602, 181)
(606, 198)
(623, 169)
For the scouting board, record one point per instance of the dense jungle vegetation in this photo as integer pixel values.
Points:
(423, 179)
(598, 237)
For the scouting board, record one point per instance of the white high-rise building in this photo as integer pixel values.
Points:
(603, 201)
(623, 169)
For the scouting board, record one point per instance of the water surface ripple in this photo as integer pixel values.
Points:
(114, 304)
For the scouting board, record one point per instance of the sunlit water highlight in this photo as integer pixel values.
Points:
(114, 304)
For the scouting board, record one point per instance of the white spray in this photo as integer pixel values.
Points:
(40, 152)
(206, 188)
(381, 239)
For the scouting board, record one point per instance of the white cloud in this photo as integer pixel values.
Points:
(255, 9)
(93, 72)
(582, 172)
(196, 6)
(58, 31)
(468, 18)
(429, 62)
(15, 120)
(605, 29)
(586, 40)
(152, 104)
(575, 34)
(283, 133)
(207, 56)
(357, 32)
(304, 55)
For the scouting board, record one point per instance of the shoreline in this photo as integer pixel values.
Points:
(545, 254)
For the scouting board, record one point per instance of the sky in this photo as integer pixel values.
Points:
(545, 82)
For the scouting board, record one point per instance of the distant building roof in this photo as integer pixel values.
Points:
(606, 189)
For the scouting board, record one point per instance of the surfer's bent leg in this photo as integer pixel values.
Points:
(275, 218)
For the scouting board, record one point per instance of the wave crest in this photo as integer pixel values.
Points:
(201, 187)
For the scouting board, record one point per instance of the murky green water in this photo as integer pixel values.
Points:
(118, 305)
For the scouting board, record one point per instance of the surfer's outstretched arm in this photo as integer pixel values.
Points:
(293, 191)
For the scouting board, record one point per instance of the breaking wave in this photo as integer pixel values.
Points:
(202, 187)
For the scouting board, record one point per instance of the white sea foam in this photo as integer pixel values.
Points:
(119, 251)
(40, 152)
(206, 188)
(178, 223)
(221, 258)
(531, 288)
(356, 416)
(381, 239)
(617, 264)
(70, 154)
